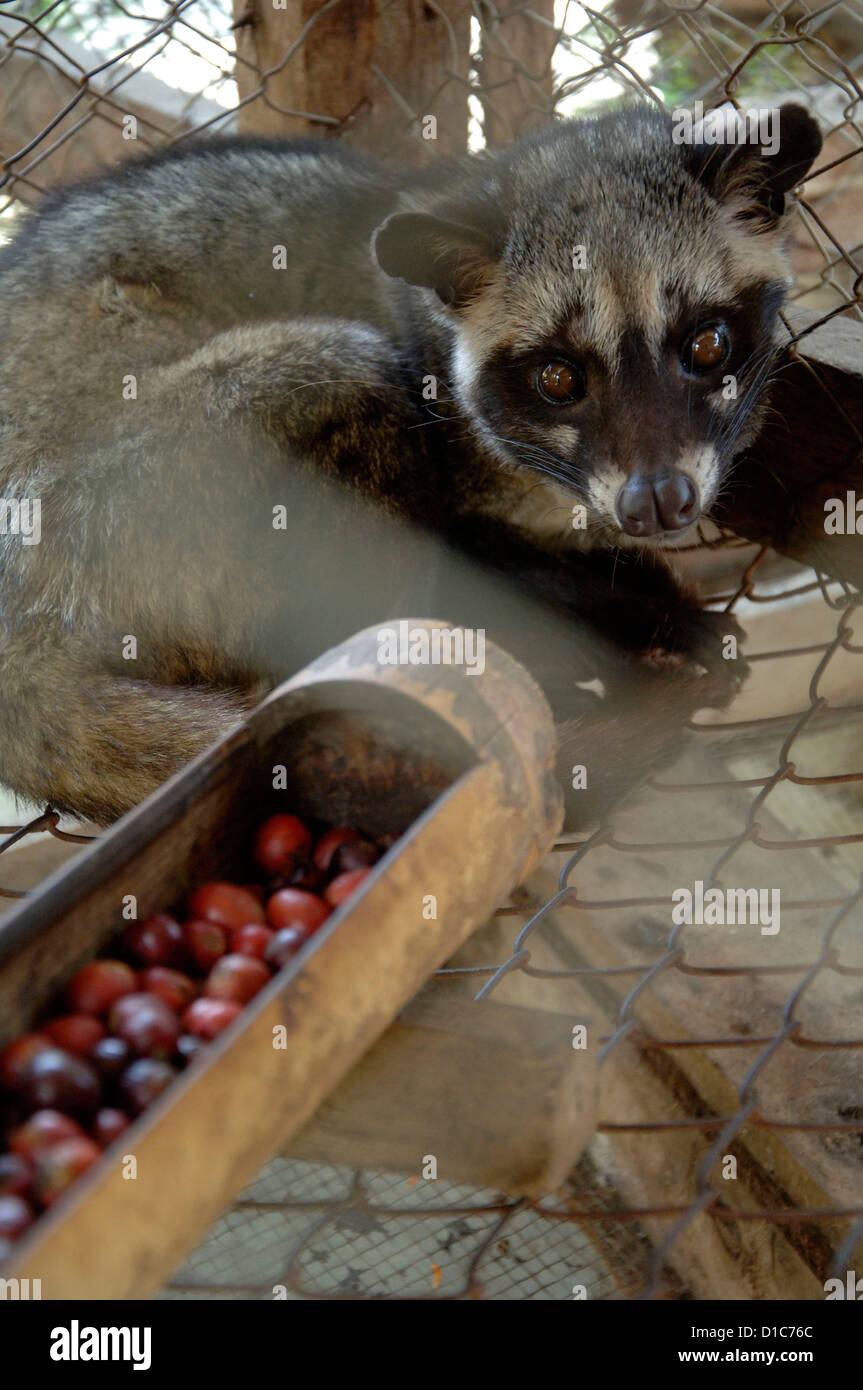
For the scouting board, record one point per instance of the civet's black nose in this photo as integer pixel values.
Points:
(647, 506)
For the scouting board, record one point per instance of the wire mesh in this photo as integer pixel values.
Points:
(303, 1231)
(741, 1054)
(734, 999)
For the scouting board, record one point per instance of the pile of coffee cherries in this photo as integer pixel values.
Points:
(133, 1019)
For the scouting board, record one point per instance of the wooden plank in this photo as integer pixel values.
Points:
(838, 343)
(498, 1095)
(113, 1238)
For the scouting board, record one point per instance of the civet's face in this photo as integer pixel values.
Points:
(614, 298)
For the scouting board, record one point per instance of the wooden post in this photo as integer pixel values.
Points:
(515, 71)
(366, 70)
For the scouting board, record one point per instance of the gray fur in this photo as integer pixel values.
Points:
(258, 387)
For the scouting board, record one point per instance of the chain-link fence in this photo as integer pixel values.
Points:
(723, 1056)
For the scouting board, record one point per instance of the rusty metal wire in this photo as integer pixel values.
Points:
(72, 74)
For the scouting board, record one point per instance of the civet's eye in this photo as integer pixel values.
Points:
(560, 382)
(706, 349)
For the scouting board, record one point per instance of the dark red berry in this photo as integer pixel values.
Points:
(44, 1128)
(225, 903)
(59, 1166)
(328, 844)
(205, 942)
(343, 886)
(110, 1056)
(16, 1055)
(280, 842)
(251, 940)
(109, 1125)
(358, 854)
(236, 977)
(292, 907)
(145, 1080)
(285, 944)
(172, 986)
(147, 1024)
(55, 1080)
(156, 941)
(78, 1033)
(98, 985)
(207, 1018)
(305, 875)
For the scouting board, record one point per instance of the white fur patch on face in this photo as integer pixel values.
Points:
(466, 371)
(611, 312)
(546, 511)
(702, 464)
(751, 257)
(699, 462)
(606, 320)
(563, 439)
(465, 366)
(603, 490)
(719, 401)
(481, 321)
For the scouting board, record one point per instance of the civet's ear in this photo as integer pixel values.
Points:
(451, 258)
(758, 174)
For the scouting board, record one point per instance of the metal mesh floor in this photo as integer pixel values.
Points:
(306, 1231)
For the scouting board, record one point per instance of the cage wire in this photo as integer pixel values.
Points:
(735, 1054)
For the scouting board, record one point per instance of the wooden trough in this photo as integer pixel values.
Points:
(461, 769)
